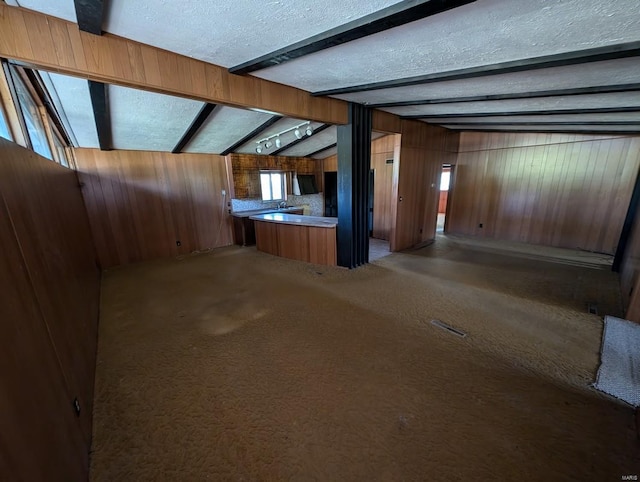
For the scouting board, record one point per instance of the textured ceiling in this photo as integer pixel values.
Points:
(223, 128)
(615, 117)
(75, 104)
(334, 150)
(313, 143)
(545, 128)
(227, 32)
(594, 101)
(56, 8)
(485, 32)
(148, 121)
(481, 33)
(610, 72)
(287, 138)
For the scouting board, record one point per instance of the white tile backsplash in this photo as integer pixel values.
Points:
(314, 202)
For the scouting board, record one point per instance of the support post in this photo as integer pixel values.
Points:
(354, 161)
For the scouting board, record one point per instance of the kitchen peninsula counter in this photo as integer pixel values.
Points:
(303, 238)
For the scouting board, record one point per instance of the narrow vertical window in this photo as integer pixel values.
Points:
(32, 119)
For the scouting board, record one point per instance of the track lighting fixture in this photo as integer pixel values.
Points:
(267, 143)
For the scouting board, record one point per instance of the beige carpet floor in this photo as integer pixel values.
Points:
(236, 365)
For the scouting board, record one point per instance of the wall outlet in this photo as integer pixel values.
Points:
(480, 225)
(224, 193)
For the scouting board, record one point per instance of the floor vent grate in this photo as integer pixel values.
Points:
(451, 329)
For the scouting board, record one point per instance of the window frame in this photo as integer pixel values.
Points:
(283, 185)
(45, 116)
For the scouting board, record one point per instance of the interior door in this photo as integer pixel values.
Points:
(331, 194)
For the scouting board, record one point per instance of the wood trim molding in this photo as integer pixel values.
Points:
(59, 46)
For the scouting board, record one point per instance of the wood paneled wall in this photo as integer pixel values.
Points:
(247, 167)
(382, 149)
(423, 151)
(418, 152)
(630, 273)
(562, 190)
(141, 204)
(49, 314)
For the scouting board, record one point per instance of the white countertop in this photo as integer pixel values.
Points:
(297, 219)
(253, 212)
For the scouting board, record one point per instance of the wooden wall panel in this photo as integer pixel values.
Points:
(419, 152)
(247, 167)
(423, 151)
(142, 203)
(442, 202)
(40, 439)
(330, 164)
(382, 149)
(50, 284)
(568, 191)
(630, 275)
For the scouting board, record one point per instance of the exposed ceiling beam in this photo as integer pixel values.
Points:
(387, 18)
(19, 26)
(251, 135)
(100, 102)
(601, 89)
(600, 110)
(311, 154)
(565, 123)
(90, 14)
(200, 118)
(547, 131)
(610, 52)
(317, 130)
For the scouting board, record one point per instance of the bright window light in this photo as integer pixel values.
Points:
(4, 128)
(272, 184)
(444, 180)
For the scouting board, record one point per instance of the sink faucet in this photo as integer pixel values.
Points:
(282, 204)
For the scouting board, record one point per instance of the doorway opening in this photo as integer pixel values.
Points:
(445, 183)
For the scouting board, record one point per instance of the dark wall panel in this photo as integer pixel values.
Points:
(50, 285)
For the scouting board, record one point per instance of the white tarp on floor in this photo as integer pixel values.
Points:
(619, 372)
